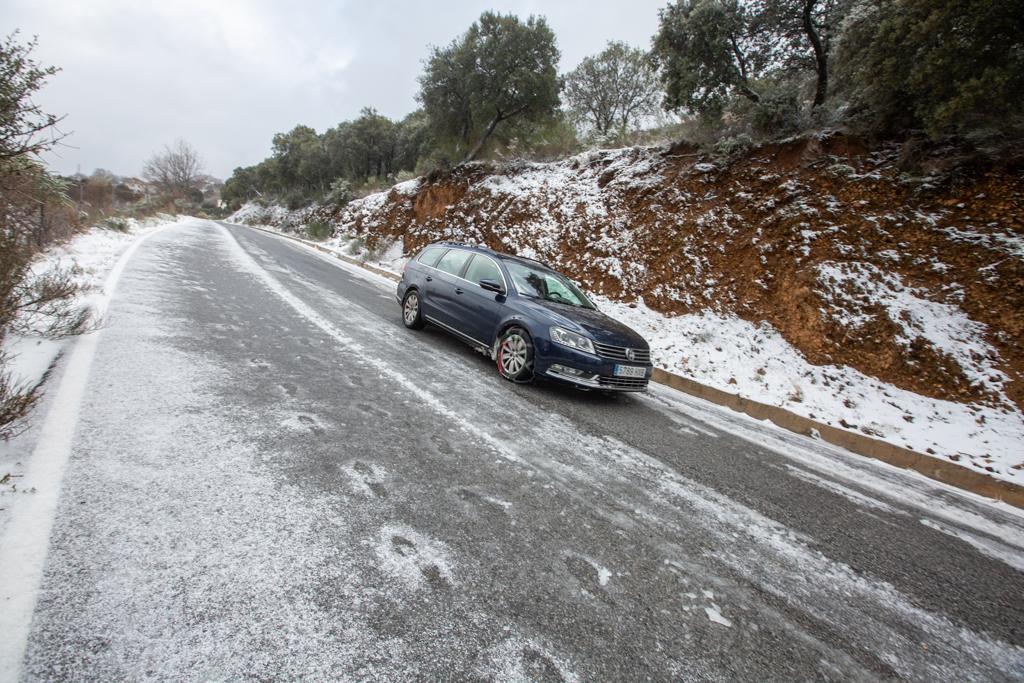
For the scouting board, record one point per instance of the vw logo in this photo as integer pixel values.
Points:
(630, 355)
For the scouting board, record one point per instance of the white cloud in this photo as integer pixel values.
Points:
(227, 74)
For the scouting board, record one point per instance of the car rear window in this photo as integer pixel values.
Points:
(429, 256)
(482, 268)
(453, 261)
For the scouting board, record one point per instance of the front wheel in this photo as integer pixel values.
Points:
(515, 355)
(411, 314)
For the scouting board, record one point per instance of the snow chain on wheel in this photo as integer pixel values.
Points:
(515, 356)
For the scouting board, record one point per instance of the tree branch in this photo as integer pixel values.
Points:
(741, 63)
(820, 55)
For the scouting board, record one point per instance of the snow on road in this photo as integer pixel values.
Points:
(246, 263)
(408, 523)
(868, 483)
(882, 481)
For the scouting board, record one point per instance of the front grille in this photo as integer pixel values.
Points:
(638, 383)
(619, 353)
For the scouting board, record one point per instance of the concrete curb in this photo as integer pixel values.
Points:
(933, 468)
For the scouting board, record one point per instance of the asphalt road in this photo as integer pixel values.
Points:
(272, 479)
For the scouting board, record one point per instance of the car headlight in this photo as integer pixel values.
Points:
(562, 336)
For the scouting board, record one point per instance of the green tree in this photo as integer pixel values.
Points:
(372, 139)
(445, 90)
(707, 51)
(240, 187)
(613, 90)
(944, 66)
(412, 140)
(301, 159)
(499, 70)
(819, 21)
(710, 51)
(806, 31)
(305, 166)
(337, 143)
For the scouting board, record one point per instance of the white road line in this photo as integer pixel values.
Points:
(26, 537)
(901, 487)
(350, 268)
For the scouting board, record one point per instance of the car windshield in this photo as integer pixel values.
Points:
(540, 283)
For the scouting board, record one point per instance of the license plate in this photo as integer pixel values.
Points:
(629, 371)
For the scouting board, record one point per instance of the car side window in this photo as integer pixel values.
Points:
(482, 268)
(453, 261)
(430, 255)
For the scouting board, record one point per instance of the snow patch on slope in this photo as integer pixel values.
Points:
(734, 355)
(274, 216)
(857, 289)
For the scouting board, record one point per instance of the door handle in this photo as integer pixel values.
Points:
(430, 279)
(458, 290)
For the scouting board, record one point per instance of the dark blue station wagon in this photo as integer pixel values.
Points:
(530, 320)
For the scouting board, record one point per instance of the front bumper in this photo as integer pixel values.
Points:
(585, 371)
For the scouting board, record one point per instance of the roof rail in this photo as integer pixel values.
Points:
(493, 251)
(527, 258)
(466, 245)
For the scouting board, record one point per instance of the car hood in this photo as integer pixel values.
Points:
(589, 321)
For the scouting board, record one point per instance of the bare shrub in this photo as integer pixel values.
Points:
(177, 171)
(115, 223)
(37, 304)
(34, 213)
(16, 402)
(319, 230)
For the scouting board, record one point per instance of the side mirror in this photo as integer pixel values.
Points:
(490, 286)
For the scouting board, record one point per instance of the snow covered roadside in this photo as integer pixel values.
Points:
(90, 256)
(391, 258)
(38, 458)
(272, 218)
(755, 362)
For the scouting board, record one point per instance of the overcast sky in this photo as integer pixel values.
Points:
(226, 75)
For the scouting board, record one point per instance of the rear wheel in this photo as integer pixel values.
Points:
(515, 355)
(411, 314)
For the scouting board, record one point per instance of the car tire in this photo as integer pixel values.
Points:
(515, 355)
(412, 316)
